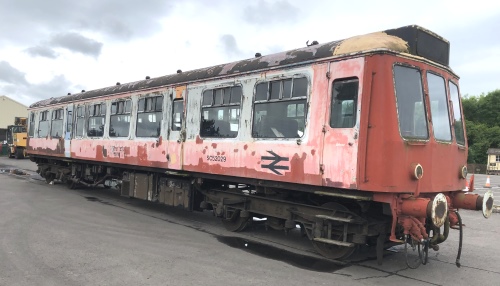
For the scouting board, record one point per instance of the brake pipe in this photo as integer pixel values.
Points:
(457, 262)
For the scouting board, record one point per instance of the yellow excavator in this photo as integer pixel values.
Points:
(17, 137)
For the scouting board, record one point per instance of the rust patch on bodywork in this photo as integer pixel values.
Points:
(46, 146)
(179, 91)
(199, 140)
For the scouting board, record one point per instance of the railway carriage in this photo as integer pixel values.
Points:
(359, 141)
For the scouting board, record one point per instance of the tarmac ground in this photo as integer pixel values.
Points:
(51, 235)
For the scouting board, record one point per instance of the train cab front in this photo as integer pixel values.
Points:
(416, 150)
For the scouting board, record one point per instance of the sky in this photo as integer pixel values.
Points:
(49, 48)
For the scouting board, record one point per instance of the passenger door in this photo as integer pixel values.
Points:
(341, 131)
(176, 127)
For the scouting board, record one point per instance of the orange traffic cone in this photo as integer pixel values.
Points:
(487, 185)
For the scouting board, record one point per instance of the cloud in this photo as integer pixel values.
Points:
(13, 83)
(77, 43)
(11, 75)
(57, 86)
(114, 18)
(265, 13)
(42, 51)
(230, 46)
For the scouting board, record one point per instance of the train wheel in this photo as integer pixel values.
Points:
(329, 250)
(236, 223)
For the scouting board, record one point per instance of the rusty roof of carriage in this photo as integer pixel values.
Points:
(409, 39)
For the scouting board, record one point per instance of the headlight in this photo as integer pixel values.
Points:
(463, 172)
(417, 171)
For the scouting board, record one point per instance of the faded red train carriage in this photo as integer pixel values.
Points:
(359, 141)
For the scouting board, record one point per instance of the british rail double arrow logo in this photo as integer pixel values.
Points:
(276, 159)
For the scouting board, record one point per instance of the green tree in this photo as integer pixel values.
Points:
(482, 120)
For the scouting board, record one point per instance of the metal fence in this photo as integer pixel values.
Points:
(476, 168)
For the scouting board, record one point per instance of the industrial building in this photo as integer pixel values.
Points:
(9, 109)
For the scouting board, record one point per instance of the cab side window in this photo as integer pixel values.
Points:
(344, 103)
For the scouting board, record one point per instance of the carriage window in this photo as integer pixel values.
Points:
(32, 124)
(344, 102)
(43, 124)
(410, 104)
(57, 123)
(457, 115)
(97, 117)
(177, 115)
(439, 107)
(80, 121)
(149, 116)
(280, 108)
(220, 112)
(120, 118)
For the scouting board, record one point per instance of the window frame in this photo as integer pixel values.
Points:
(90, 107)
(42, 117)
(497, 158)
(355, 101)
(82, 116)
(126, 110)
(453, 113)
(424, 102)
(32, 123)
(291, 99)
(447, 101)
(57, 112)
(154, 110)
(173, 121)
(221, 105)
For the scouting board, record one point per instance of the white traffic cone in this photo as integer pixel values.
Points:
(487, 185)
